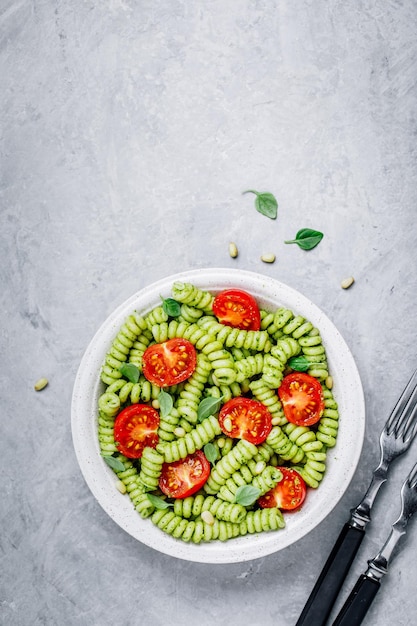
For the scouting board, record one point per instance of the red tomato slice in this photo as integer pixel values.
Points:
(237, 308)
(244, 418)
(136, 428)
(302, 399)
(288, 494)
(184, 477)
(170, 362)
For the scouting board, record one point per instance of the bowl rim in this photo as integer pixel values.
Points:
(342, 460)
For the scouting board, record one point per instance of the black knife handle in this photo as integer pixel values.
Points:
(358, 603)
(329, 583)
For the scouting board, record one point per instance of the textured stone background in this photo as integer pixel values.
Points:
(129, 130)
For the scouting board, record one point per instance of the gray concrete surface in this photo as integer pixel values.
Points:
(129, 130)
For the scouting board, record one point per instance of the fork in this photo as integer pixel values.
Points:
(368, 584)
(395, 438)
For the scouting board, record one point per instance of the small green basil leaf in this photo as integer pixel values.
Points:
(130, 371)
(246, 495)
(158, 502)
(208, 406)
(114, 463)
(171, 307)
(165, 403)
(211, 452)
(307, 238)
(299, 363)
(265, 203)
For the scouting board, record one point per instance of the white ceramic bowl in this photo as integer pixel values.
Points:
(341, 463)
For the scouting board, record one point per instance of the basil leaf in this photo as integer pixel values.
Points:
(265, 203)
(158, 502)
(130, 371)
(208, 406)
(247, 495)
(299, 363)
(307, 238)
(171, 307)
(114, 463)
(165, 403)
(211, 452)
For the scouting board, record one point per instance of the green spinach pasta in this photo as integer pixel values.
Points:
(216, 415)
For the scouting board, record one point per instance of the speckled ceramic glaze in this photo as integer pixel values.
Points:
(342, 460)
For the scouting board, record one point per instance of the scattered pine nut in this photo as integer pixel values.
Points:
(179, 431)
(155, 404)
(274, 460)
(120, 486)
(259, 467)
(233, 250)
(244, 386)
(227, 424)
(41, 384)
(347, 282)
(329, 382)
(268, 258)
(207, 517)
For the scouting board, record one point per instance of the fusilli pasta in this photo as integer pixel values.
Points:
(230, 363)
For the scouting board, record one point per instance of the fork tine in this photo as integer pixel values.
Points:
(412, 478)
(410, 429)
(398, 411)
(405, 419)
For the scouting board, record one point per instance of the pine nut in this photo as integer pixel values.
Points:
(259, 467)
(207, 517)
(268, 258)
(155, 404)
(233, 250)
(121, 486)
(329, 382)
(244, 386)
(41, 384)
(347, 282)
(227, 424)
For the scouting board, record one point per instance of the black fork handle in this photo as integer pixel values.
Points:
(358, 603)
(329, 583)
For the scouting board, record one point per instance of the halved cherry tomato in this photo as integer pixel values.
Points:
(170, 362)
(237, 308)
(244, 418)
(302, 399)
(184, 477)
(136, 428)
(288, 494)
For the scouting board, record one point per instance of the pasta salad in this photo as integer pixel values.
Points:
(216, 415)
